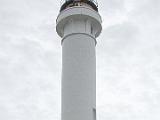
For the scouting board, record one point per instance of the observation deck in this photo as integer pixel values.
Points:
(71, 3)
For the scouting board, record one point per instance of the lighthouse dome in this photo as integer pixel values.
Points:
(71, 3)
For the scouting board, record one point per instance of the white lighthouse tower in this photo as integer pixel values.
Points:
(79, 24)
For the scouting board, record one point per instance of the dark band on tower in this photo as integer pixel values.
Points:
(70, 3)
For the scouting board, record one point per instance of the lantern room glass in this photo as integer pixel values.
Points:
(93, 1)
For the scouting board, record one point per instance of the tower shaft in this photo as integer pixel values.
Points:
(78, 78)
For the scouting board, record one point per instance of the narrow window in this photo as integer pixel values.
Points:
(91, 30)
(94, 114)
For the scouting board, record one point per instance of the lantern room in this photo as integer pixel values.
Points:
(72, 3)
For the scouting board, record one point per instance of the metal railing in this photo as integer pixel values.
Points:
(93, 1)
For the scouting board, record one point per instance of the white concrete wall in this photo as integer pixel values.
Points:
(78, 78)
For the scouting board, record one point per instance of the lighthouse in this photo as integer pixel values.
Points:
(78, 24)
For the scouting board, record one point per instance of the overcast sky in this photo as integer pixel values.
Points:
(128, 60)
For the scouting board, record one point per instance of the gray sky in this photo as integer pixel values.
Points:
(128, 60)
